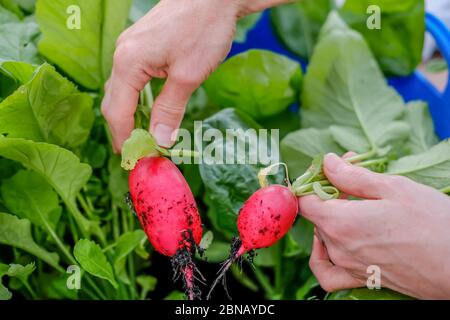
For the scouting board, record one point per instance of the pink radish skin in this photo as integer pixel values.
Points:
(168, 214)
(164, 204)
(264, 219)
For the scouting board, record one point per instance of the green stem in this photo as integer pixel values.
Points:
(95, 287)
(148, 95)
(362, 156)
(91, 294)
(30, 290)
(115, 222)
(131, 271)
(279, 266)
(262, 279)
(369, 163)
(84, 205)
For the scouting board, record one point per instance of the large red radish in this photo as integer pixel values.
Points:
(168, 214)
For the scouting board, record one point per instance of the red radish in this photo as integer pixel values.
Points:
(168, 214)
(263, 220)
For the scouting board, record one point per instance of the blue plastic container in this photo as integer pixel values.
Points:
(413, 87)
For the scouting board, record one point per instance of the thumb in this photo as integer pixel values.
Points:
(354, 180)
(168, 110)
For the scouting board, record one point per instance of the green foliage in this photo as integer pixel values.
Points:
(85, 54)
(63, 190)
(93, 260)
(298, 24)
(258, 82)
(337, 94)
(402, 27)
(16, 232)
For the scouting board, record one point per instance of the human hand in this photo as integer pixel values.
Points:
(183, 41)
(400, 226)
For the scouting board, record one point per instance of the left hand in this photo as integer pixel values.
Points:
(400, 226)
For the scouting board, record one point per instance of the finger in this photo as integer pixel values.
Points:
(354, 180)
(336, 216)
(330, 277)
(118, 108)
(168, 109)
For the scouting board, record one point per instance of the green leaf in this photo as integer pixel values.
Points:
(431, 167)
(228, 186)
(26, 5)
(299, 148)
(217, 252)
(301, 234)
(16, 233)
(12, 7)
(17, 42)
(298, 24)
(368, 294)
(118, 182)
(345, 89)
(48, 108)
(55, 287)
(124, 246)
(139, 145)
(93, 260)
(58, 166)
(29, 196)
(422, 135)
(21, 272)
(7, 16)
(258, 82)
(306, 288)
(147, 283)
(5, 294)
(85, 54)
(244, 25)
(402, 27)
(175, 295)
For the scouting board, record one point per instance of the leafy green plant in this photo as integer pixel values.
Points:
(62, 190)
(257, 82)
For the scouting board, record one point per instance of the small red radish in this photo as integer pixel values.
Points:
(263, 220)
(168, 214)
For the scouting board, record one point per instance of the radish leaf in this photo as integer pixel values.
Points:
(139, 145)
(16, 232)
(422, 135)
(124, 246)
(86, 53)
(258, 82)
(48, 108)
(300, 147)
(29, 196)
(345, 88)
(431, 167)
(94, 261)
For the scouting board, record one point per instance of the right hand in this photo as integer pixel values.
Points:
(183, 41)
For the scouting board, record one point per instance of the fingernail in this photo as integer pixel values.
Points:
(332, 162)
(163, 135)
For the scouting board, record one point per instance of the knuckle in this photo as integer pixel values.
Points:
(124, 54)
(326, 284)
(186, 78)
